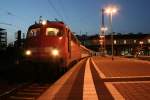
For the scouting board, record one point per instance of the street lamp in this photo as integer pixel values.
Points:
(110, 11)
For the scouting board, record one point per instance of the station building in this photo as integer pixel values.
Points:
(3, 38)
(124, 44)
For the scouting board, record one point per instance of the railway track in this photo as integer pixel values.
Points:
(28, 91)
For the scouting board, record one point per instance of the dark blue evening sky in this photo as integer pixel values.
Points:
(80, 15)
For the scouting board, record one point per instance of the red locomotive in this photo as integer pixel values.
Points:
(52, 41)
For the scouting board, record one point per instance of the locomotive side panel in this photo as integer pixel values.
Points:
(72, 48)
(75, 51)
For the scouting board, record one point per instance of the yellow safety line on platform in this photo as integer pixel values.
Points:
(114, 92)
(101, 74)
(89, 91)
(140, 82)
(127, 77)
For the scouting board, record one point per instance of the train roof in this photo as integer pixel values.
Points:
(57, 23)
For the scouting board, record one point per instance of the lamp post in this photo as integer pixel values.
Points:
(110, 11)
(102, 37)
(103, 29)
(141, 46)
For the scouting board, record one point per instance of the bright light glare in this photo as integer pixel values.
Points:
(111, 10)
(44, 22)
(141, 42)
(107, 10)
(60, 38)
(114, 10)
(28, 52)
(100, 40)
(102, 36)
(55, 52)
(104, 29)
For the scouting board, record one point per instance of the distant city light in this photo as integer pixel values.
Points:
(134, 41)
(102, 36)
(104, 29)
(115, 42)
(148, 40)
(141, 42)
(125, 42)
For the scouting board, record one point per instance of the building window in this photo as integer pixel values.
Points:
(134, 41)
(115, 41)
(148, 40)
(125, 42)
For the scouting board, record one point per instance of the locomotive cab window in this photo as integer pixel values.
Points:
(33, 32)
(53, 32)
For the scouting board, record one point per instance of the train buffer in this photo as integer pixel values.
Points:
(81, 82)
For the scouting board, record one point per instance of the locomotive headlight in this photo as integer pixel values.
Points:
(55, 52)
(60, 38)
(28, 52)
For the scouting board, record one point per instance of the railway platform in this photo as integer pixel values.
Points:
(82, 82)
(101, 78)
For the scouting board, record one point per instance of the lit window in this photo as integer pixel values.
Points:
(141, 42)
(72, 43)
(125, 42)
(134, 41)
(148, 40)
(52, 31)
(115, 41)
(33, 32)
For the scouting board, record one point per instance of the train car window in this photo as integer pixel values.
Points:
(53, 32)
(74, 38)
(69, 42)
(33, 32)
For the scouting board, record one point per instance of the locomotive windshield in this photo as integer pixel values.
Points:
(53, 32)
(33, 32)
(50, 31)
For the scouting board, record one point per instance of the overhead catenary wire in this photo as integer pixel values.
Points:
(63, 15)
(54, 8)
(3, 23)
(66, 17)
(19, 18)
(11, 13)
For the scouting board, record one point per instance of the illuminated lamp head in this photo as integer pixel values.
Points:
(55, 52)
(28, 52)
